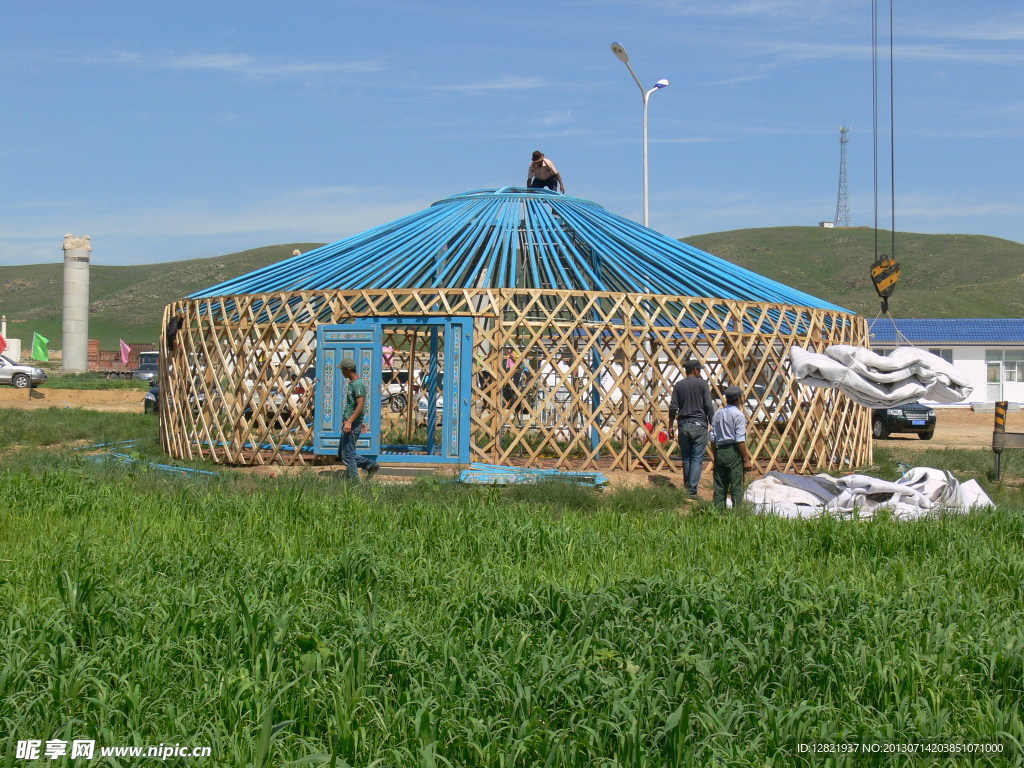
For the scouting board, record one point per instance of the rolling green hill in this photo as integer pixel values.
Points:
(127, 302)
(943, 276)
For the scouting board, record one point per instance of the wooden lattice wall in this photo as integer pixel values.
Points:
(588, 386)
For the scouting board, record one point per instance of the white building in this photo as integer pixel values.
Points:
(990, 352)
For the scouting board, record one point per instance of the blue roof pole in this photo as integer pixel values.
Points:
(522, 239)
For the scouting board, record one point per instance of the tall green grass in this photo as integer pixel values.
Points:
(60, 426)
(304, 619)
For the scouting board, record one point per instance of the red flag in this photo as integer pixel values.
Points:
(125, 351)
(3, 345)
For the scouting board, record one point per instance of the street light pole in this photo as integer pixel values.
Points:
(622, 56)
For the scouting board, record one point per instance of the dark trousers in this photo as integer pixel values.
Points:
(551, 183)
(728, 475)
(347, 451)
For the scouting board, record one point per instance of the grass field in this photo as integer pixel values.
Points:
(303, 621)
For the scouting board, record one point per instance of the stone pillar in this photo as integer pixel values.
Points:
(76, 304)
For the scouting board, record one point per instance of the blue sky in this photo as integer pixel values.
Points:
(173, 130)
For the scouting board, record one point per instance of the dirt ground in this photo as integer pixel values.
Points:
(957, 427)
(90, 399)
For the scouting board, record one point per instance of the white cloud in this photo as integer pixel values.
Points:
(237, 64)
(804, 51)
(997, 30)
(691, 140)
(554, 117)
(803, 9)
(508, 83)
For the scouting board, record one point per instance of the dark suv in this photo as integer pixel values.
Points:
(904, 418)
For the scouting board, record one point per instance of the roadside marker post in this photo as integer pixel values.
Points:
(1001, 438)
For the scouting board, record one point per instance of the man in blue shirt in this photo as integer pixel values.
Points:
(355, 403)
(729, 447)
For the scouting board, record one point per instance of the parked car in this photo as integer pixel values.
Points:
(20, 376)
(422, 408)
(294, 390)
(151, 402)
(913, 418)
(288, 395)
(149, 366)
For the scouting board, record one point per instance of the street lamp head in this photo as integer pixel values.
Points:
(663, 83)
(620, 53)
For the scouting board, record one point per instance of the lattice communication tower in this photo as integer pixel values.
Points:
(842, 218)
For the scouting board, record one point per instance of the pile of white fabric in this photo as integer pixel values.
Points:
(921, 492)
(906, 375)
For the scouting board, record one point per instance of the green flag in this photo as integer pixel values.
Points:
(40, 350)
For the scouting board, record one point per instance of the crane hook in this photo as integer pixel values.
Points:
(885, 273)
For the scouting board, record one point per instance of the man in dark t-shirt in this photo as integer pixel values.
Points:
(691, 404)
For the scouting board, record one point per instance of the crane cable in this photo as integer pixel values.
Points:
(885, 271)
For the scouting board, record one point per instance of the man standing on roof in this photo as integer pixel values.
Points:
(691, 403)
(542, 173)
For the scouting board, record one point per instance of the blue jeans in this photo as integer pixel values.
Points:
(693, 444)
(353, 461)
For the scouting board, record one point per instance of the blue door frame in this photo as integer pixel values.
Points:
(363, 341)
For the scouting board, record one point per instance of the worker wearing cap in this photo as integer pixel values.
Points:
(729, 447)
(355, 408)
(542, 173)
(691, 404)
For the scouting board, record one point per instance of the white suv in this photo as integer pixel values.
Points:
(20, 376)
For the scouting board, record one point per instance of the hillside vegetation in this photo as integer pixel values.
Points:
(943, 276)
(127, 301)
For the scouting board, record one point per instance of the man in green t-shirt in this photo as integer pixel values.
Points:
(355, 403)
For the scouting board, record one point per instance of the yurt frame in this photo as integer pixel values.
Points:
(601, 367)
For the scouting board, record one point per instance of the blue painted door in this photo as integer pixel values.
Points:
(445, 376)
(362, 342)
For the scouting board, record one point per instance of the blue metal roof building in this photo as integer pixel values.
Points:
(937, 332)
(516, 238)
(989, 351)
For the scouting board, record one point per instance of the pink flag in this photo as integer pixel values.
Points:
(3, 344)
(125, 351)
